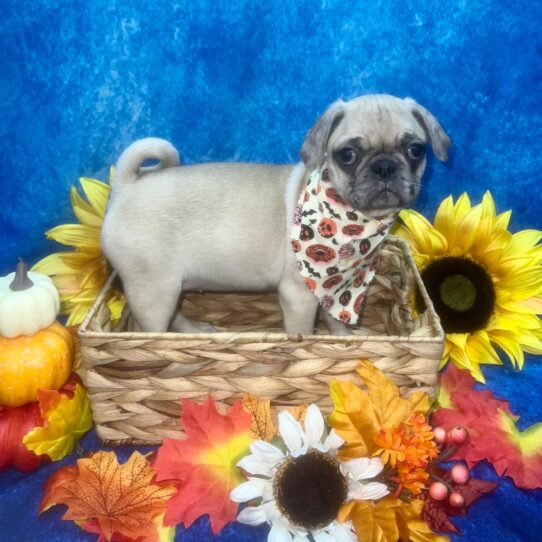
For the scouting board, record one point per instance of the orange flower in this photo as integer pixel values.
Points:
(392, 445)
(412, 480)
(408, 448)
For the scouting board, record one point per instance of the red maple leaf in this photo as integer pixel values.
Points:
(203, 467)
(492, 431)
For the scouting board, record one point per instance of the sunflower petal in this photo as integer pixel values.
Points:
(522, 241)
(83, 211)
(503, 220)
(77, 314)
(97, 194)
(510, 346)
(427, 239)
(445, 221)
(54, 264)
(76, 235)
(458, 355)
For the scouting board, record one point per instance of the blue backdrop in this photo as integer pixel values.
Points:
(244, 80)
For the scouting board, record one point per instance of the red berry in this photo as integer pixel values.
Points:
(438, 491)
(440, 434)
(457, 435)
(460, 474)
(456, 500)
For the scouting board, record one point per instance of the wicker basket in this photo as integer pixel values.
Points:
(135, 380)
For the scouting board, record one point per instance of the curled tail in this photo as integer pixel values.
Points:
(128, 167)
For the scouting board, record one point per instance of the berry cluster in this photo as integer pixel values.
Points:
(440, 489)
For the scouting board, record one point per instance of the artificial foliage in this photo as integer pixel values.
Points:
(379, 452)
(66, 418)
(203, 466)
(389, 520)
(80, 274)
(263, 426)
(484, 281)
(111, 499)
(44, 430)
(492, 429)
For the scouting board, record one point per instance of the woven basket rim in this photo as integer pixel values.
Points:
(264, 337)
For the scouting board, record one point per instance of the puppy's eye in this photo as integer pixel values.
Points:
(416, 151)
(347, 156)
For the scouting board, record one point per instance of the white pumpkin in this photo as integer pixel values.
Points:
(28, 302)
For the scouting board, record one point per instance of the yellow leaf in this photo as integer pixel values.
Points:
(262, 426)
(389, 520)
(420, 402)
(353, 419)
(412, 528)
(389, 407)
(373, 522)
(68, 419)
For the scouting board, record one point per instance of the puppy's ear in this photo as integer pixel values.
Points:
(314, 146)
(433, 130)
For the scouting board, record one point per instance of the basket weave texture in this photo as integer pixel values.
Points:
(136, 380)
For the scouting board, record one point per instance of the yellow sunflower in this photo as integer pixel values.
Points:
(485, 282)
(80, 274)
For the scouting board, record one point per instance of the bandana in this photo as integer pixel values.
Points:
(336, 247)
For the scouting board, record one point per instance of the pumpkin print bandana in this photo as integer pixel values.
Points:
(336, 247)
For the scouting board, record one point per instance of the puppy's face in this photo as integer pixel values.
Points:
(375, 148)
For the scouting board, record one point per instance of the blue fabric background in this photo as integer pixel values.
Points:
(244, 80)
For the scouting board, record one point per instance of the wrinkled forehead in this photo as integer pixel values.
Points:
(377, 122)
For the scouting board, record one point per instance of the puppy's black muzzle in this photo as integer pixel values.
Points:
(383, 168)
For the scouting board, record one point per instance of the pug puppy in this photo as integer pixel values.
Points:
(226, 226)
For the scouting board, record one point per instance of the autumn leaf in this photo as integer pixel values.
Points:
(66, 419)
(262, 426)
(203, 466)
(358, 416)
(388, 520)
(164, 534)
(388, 406)
(492, 431)
(113, 500)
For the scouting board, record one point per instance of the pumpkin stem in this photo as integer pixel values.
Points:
(21, 280)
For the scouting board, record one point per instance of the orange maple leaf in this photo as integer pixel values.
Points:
(204, 466)
(118, 499)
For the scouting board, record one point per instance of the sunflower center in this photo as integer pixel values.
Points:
(458, 292)
(462, 293)
(310, 489)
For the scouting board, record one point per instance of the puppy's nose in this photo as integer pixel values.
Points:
(383, 168)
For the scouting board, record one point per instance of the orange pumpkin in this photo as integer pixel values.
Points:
(41, 361)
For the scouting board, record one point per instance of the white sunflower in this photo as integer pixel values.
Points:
(300, 491)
